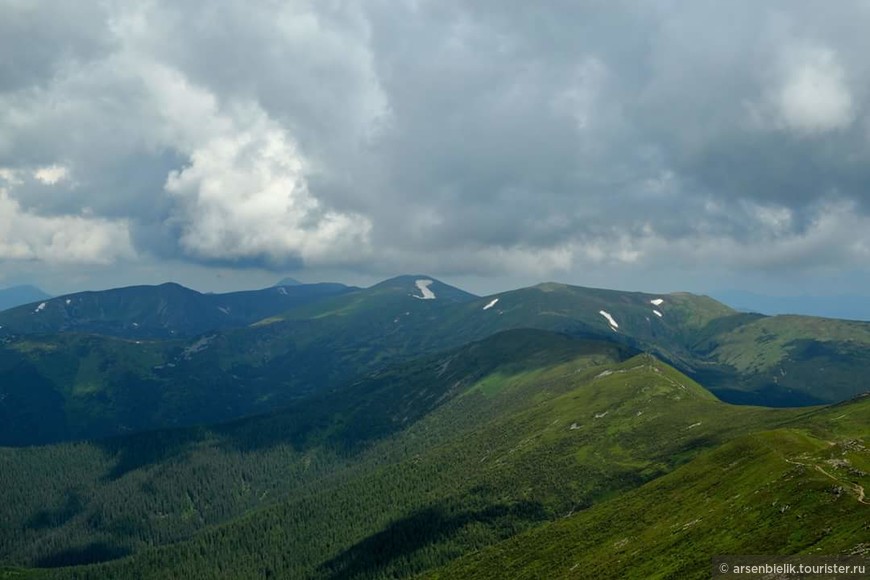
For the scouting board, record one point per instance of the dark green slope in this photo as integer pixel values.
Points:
(164, 311)
(392, 476)
(799, 489)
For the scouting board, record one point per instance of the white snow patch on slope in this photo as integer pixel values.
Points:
(491, 304)
(657, 313)
(40, 307)
(423, 286)
(609, 318)
(224, 309)
(68, 301)
(282, 290)
(656, 302)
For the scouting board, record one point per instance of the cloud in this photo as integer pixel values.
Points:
(244, 195)
(51, 174)
(814, 96)
(488, 137)
(74, 239)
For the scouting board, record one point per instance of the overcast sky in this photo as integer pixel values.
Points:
(696, 145)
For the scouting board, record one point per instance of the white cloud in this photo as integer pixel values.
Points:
(59, 239)
(814, 96)
(51, 174)
(245, 195)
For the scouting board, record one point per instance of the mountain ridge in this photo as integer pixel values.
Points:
(166, 310)
(93, 385)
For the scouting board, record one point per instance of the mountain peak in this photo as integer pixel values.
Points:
(423, 287)
(288, 282)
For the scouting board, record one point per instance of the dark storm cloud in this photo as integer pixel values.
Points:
(458, 137)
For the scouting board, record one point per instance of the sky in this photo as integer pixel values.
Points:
(493, 144)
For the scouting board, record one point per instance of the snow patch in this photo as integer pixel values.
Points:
(600, 415)
(657, 313)
(40, 307)
(282, 290)
(224, 309)
(609, 318)
(491, 304)
(656, 302)
(574, 427)
(693, 425)
(604, 374)
(68, 301)
(423, 286)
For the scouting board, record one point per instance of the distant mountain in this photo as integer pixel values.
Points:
(288, 282)
(164, 311)
(18, 295)
(848, 307)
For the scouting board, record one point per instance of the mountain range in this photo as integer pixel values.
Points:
(414, 429)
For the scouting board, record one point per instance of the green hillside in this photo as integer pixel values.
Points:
(799, 489)
(787, 360)
(389, 476)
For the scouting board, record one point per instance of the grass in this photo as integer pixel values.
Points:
(782, 491)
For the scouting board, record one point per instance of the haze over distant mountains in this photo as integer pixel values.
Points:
(18, 295)
(849, 307)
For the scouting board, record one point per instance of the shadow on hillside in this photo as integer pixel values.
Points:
(349, 419)
(53, 517)
(399, 541)
(134, 451)
(92, 553)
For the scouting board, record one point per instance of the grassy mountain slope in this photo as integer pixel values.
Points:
(794, 490)
(411, 469)
(787, 359)
(164, 311)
